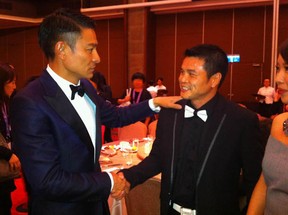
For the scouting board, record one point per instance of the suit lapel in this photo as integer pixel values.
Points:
(179, 126)
(60, 103)
(210, 129)
(91, 93)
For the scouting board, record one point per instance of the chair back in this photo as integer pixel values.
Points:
(136, 130)
(152, 128)
(144, 199)
(102, 133)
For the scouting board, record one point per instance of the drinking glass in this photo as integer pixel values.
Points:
(148, 144)
(127, 151)
(135, 144)
(129, 157)
(124, 146)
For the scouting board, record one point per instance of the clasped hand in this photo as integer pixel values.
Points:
(14, 163)
(121, 186)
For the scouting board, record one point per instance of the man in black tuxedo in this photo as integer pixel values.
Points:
(201, 149)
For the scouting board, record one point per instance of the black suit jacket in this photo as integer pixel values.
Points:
(56, 151)
(236, 146)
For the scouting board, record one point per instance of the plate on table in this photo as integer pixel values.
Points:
(125, 146)
(104, 160)
(108, 150)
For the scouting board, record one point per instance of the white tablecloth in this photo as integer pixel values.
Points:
(117, 161)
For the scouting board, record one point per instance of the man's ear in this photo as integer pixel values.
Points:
(216, 78)
(60, 49)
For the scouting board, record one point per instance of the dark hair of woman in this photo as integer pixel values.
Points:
(138, 75)
(99, 79)
(7, 75)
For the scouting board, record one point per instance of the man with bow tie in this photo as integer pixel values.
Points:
(57, 122)
(201, 149)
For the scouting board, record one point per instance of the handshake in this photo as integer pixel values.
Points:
(121, 186)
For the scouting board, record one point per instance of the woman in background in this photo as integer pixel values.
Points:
(99, 82)
(7, 87)
(137, 94)
(270, 195)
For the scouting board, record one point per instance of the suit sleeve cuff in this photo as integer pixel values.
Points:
(111, 179)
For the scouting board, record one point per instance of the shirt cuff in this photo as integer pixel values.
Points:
(112, 181)
(153, 107)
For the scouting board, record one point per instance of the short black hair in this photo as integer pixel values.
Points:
(138, 75)
(63, 24)
(284, 50)
(215, 59)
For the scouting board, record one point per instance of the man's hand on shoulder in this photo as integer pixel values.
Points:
(167, 102)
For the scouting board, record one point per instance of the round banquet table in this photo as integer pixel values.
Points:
(112, 159)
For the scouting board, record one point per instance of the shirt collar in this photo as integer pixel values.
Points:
(62, 83)
(209, 106)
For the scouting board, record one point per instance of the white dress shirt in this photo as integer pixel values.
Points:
(162, 87)
(85, 108)
(269, 93)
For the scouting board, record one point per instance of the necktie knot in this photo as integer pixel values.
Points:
(190, 112)
(77, 89)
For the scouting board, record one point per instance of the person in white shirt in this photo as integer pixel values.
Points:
(151, 89)
(160, 85)
(265, 105)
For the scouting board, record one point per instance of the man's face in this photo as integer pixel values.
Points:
(194, 83)
(266, 82)
(81, 62)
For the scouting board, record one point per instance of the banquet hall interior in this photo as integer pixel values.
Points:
(151, 36)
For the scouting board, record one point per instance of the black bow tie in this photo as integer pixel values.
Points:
(77, 89)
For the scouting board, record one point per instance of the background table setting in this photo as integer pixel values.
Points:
(122, 154)
(125, 153)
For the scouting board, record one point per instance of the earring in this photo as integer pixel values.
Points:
(285, 127)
